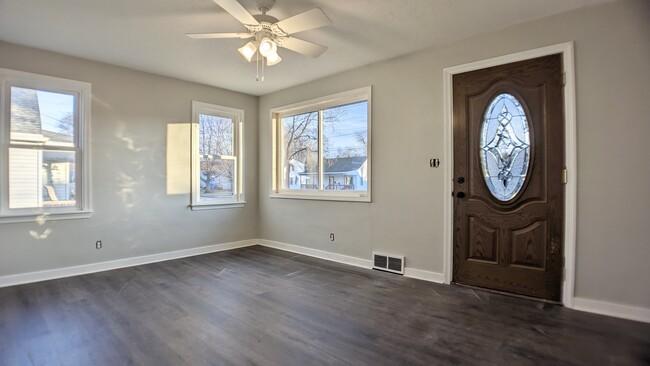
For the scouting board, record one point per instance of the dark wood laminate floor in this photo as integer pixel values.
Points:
(259, 306)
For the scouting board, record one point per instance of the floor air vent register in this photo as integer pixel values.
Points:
(383, 262)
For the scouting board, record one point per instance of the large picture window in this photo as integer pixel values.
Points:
(216, 156)
(44, 126)
(322, 148)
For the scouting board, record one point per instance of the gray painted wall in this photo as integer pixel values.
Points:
(131, 111)
(134, 215)
(612, 44)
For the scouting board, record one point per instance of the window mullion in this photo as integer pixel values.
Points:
(4, 178)
(235, 179)
(321, 156)
(234, 143)
(79, 183)
(234, 146)
(239, 130)
(44, 147)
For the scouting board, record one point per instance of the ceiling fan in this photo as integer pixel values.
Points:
(268, 33)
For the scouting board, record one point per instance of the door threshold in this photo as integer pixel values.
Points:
(537, 299)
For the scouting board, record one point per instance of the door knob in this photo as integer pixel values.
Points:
(460, 194)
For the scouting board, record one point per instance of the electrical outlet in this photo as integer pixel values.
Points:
(98, 244)
(331, 236)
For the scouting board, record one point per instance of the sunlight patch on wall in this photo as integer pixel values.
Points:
(178, 158)
(126, 184)
(130, 143)
(41, 220)
(38, 236)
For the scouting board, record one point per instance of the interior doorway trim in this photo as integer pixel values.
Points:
(566, 49)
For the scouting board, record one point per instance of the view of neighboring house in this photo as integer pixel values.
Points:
(295, 168)
(37, 177)
(350, 173)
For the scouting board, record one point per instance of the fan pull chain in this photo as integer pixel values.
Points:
(257, 66)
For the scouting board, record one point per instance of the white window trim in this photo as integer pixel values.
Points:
(237, 115)
(83, 209)
(347, 97)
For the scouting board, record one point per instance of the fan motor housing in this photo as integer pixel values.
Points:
(265, 18)
(265, 5)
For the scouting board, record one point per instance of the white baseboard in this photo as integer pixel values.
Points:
(582, 304)
(345, 259)
(612, 309)
(424, 275)
(22, 278)
(334, 257)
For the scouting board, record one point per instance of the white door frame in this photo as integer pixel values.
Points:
(566, 49)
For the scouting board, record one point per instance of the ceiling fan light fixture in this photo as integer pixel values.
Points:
(273, 59)
(248, 50)
(267, 47)
(266, 31)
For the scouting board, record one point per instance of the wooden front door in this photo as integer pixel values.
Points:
(508, 172)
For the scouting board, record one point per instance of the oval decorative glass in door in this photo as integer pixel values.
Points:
(505, 146)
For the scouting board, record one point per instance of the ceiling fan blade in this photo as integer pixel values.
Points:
(237, 11)
(304, 47)
(219, 35)
(310, 19)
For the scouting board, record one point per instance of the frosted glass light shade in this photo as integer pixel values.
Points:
(273, 58)
(248, 51)
(267, 47)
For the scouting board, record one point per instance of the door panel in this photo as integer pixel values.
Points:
(482, 241)
(508, 162)
(529, 245)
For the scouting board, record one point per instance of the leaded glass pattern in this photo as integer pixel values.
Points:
(505, 147)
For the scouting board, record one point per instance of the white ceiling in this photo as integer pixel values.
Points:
(149, 35)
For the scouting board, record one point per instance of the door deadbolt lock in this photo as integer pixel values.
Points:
(460, 180)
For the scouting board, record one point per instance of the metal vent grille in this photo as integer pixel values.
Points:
(395, 264)
(383, 262)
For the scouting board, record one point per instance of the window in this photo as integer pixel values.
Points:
(322, 148)
(505, 147)
(44, 126)
(216, 156)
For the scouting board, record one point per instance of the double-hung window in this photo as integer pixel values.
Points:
(44, 157)
(217, 179)
(322, 148)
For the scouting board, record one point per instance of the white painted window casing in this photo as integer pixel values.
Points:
(24, 154)
(229, 190)
(288, 177)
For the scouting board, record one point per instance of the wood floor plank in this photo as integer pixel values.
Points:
(261, 306)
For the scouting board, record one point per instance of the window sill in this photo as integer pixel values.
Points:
(45, 216)
(322, 197)
(216, 206)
